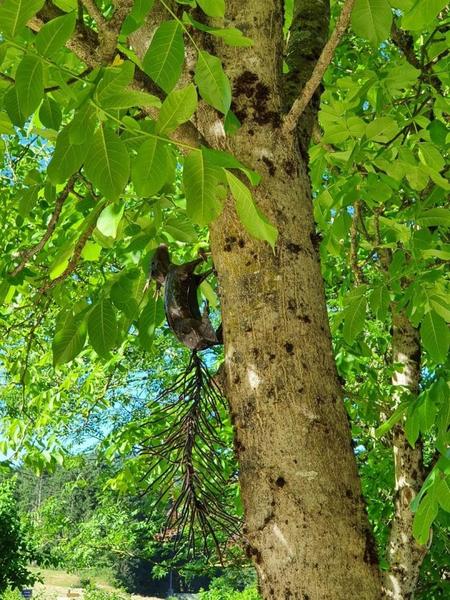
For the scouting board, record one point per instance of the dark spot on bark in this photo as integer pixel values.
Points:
(237, 380)
(301, 390)
(272, 356)
(295, 461)
(254, 553)
(255, 352)
(251, 132)
(248, 263)
(315, 238)
(292, 305)
(270, 166)
(287, 594)
(280, 482)
(289, 347)
(233, 417)
(294, 248)
(414, 474)
(289, 167)
(415, 356)
(227, 248)
(305, 597)
(248, 329)
(349, 493)
(267, 519)
(238, 446)
(286, 522)
(240, 114)
(191, 73)
(304, 318)
(319, 399)
(370, 551)
(245, 529)
(304, 365)
(241, 243)
(272, 503)
(244, 80)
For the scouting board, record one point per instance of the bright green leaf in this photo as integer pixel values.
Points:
(251, 217)
(213, 8)
(212, 82)
(109, 219)
(30, 83)
(14, 14)
(372, 19)
(107, 163)
(69, 339)
(55, 34)
(66, 160)
(201, 181)
(102, 327)
(150, 168)
(355, 316)
(177, 108)
(435, 336)
(164, 59)
(424, 517)
(50, 113)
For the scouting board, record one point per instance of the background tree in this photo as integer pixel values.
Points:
(92, 75)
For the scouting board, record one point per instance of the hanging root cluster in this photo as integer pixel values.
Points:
(187, 462)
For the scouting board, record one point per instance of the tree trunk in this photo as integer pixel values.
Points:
(404, 555)
(305, 523)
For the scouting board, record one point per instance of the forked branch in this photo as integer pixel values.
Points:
(302, 101)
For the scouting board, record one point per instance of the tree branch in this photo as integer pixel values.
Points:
(297, 109)
(50, 228)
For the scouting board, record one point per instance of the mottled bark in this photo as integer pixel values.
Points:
(305, 524)
(404, 554)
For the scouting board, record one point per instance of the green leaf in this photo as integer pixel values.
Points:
(136, 17)
(393, 419)
(66, 160)
(30, 83)
(102, 327)
(201, 181)
(126, 293)
(14, 14)
(83, 124)
(164, 59)
(5, 122)
(382, 129)
(114, 81)
(379, 301)
(213, 8)
(220, 158)
(28, 200)
(55, 34)
(150, 318)
(422, 14)
(424, 517)
(181, 228)
(355, 316)
(107, 163)
(150, 168)
(212, 82)
(50, 113)
(443, 494)
(372, 19)
(230, 35)
(412, 424)
(434, 217)
(13, 108)
(177, 108)
(69, 339)
(109, 219)
(251, 217)
(435, 336)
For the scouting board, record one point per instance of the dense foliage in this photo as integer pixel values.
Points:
(95, 176)
(17, 547)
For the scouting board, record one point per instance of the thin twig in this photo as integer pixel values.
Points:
(325, 58)
(50, 228)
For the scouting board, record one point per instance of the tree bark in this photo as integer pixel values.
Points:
(404, 554)
(305, 523)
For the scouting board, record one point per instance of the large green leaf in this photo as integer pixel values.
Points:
(164, 59)
(50, 113)
(136, 17)
(434, 217)
(355, 316)
(372, 19)
(55, 34)
(114, 81)
(213, 8)
(109, 219)
(201, 181)
(422, 14)
(30, 83)
(14, 14)
(66, 160)
(435, 336)
(102, 327)
(150, 318)
(69, 338)
(150, 168)
(251, 217)
(13, 108)
(177, 108)
(424, 517)
(107, 163)
(213, 84)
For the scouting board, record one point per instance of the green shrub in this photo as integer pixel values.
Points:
(228, 594)
(95, 594)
